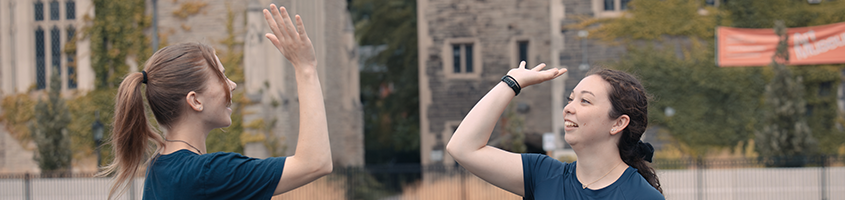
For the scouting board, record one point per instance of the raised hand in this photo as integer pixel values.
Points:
(292, 42)
(527, 77)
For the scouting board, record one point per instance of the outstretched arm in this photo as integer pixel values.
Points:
(469, 143)
(313, 157)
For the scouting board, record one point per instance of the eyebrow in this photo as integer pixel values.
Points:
(591, 93)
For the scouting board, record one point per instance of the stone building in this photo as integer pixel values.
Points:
(33, 32)
(465, 47)
(269, 78)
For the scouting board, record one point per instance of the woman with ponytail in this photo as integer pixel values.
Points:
(189, 94)
(605, 118)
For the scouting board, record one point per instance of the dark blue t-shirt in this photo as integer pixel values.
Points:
(186, 175)
(547, 178)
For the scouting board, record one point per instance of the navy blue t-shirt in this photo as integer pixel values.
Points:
(186, 175)
(547, 178)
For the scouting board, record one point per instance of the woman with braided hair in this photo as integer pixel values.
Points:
(605, 118)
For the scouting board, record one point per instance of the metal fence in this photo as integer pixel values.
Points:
(695, 179)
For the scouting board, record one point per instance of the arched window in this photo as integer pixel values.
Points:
(40, 59)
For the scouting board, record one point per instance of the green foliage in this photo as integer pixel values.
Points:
(48, 130)
(821, 108)
(659, 18)
(512, 130)
(116, 33)
(82, 111)
(17, 113)
(716, 107)
(785, 131)
(389, 86)
(762, 14)
(228, 139)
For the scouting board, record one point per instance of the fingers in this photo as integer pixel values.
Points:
(273, 39)
(271, 22)
(280, 26)
(300, 27)
(289, 28)
(522, 64)
(539, 67)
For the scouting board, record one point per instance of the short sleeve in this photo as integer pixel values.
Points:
(234, 176)
(537, 168)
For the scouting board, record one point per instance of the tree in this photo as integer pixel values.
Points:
(785, 132)
(819, 81)
(714, 108)
(717, 108)
(389, 86)
(48, 130)
(116, 32)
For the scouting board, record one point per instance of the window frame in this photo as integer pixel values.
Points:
(38, 7)
(55, 11)
(70, 10)
(40, 59)
(448, 55)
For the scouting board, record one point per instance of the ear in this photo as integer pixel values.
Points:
(620, 124)
(193, 101)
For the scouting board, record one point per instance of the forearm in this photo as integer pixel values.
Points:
(474, 131)
(313, 145)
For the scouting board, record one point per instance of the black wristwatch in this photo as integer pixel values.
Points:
(508, 79)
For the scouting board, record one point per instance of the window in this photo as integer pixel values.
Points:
(54, 10)
(70, 10)
(462, 55)
(39, 11)
(608, 5)
(40, 81)
(522, 48)
(825, 88)
(55, 50)
(71, 56)
(623, 4)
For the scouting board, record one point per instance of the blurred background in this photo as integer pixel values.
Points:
(400, 75)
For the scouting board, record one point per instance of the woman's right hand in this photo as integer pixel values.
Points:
(292, 42)
(526, 77)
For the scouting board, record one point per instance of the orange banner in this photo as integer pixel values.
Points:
(755, 47)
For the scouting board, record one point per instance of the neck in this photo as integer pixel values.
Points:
(598, 165)
(190, 134)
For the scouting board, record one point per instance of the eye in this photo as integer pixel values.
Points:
(585, 101)
(568, 100)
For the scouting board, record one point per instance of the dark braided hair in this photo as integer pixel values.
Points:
(628, 97)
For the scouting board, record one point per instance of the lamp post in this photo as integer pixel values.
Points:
(97, 129)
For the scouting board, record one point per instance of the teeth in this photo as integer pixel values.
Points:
(570, 124)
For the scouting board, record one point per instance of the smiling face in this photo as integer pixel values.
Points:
(217, 103)
(586, 115)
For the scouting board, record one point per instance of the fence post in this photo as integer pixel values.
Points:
(463, 182)
(26, 184)
(132, 188)
(823, 178)
(699, 172)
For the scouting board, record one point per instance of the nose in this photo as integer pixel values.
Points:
(232, 84)
(568, 109)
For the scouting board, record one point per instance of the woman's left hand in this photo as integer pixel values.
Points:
(526, 77)
(292, 42)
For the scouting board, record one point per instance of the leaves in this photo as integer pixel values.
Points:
(389, 86)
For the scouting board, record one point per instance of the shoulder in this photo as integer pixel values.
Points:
(636, 187)
(229, 161)
(540, 162)
(544, 176)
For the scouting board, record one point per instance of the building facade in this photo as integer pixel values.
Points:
(33, 34)
(465, 47)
